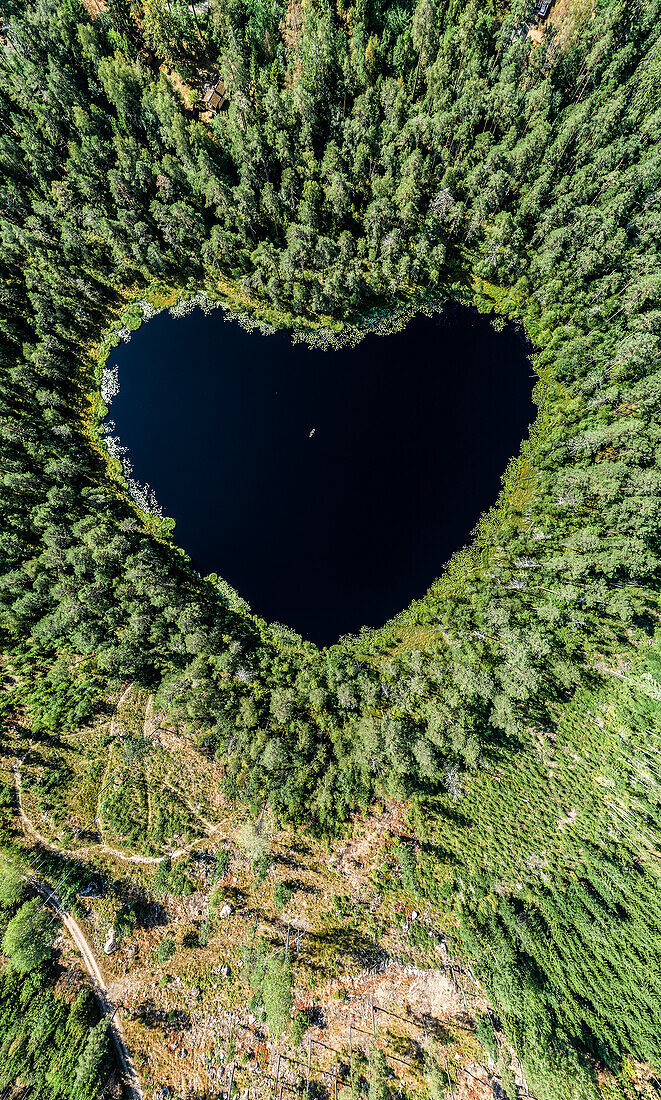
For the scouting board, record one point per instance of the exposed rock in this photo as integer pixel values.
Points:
(226, 910)
(198, 905)
(111, 943)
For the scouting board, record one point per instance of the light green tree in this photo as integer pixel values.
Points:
(12, 885)
(28, 939)
(93, 1063)
(278, 995)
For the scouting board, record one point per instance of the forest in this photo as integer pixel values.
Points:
(55, 1046)
(365, 161)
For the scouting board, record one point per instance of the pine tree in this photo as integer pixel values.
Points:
(28, 938)
(93, 1064)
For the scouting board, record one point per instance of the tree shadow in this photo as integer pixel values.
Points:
(148, 912)
(320, 948)
(438, 851)
(286, 861)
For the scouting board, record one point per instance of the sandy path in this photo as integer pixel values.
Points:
(98, 984)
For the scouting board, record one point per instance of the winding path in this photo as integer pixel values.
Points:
(98, 984)
(73, 928)
(101, 847)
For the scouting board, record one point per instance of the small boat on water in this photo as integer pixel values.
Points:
(312, 433)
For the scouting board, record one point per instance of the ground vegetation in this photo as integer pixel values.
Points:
(53, 1039)
(360, 161)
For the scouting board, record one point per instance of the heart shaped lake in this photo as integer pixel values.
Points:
(327, 487)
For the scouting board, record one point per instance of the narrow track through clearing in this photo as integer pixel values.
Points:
(98, 984)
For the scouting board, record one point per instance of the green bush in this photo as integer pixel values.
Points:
(165, 949)
(485, 1033)
(160, 884)
(407, 864)
(172, 880)
(299, 1026)
(435, 1079)
(125, 921)
(178, 882)
(378, 1072)
(261, 868)
(283, 894)
(277, 995)
(222, 864)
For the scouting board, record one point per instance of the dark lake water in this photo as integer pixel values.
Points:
(325, 533)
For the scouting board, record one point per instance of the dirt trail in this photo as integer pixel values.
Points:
(102, 847)
(98, 984)
(104, 784)
(208, 825)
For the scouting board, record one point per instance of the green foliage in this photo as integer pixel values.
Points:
(172, 879)
(54, 1049)
(165, 949)
(508, 1083)
(12, 884)
(178, 882)
(162, 876)
(435, 1079)
(366, 161)
(378, 1077)
(125, 921)
(222, 864)
(216, 901)
(48, 789)
(93, 1064)
(277, 995)
(123, 805)
(56, 692)
(485, 1033)
(299, 1026)
(580, 919)
(135, 749)
(170, 818)
(28, 938)
(282, 895)
(261, 867)
(407, 864)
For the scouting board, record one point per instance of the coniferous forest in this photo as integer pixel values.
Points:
(360, 162)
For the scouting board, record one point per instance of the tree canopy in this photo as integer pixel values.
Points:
(361, 160)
